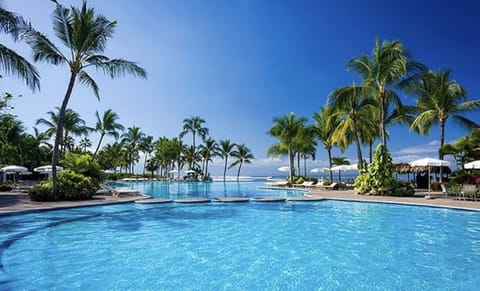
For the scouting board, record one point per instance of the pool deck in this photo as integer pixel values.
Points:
(13, 202)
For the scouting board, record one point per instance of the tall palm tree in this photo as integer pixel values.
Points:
(242, 155)
(286, 129)
(355, 112)
(132, 139)
(10, 61)
(225, 150)
(326, 122)
(389, 65)
(107, 125)
(440, 98)
(194, 125)
(84, 33)
(84, 144)
(209, 150)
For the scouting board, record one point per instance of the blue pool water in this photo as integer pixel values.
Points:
(249, 246)
(173, 190)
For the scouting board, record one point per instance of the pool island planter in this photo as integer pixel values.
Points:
(153, 201)
(269, 199)
(231, 199)
(192, 200)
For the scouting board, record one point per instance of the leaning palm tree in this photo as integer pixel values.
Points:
(10, 61)
(225, 150)
(107, 125)
(243, 155)
(194, 125)
(439, 98)
(286, 129)
(326, 122)
(389, 65)
(84, 33)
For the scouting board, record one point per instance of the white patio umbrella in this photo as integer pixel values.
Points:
(319, 170)
(472, 165)
(343, 168)
(47, 169)
(429, 162)
(13, 169)
(189, 172)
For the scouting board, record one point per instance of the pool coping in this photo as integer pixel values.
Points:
(14, 202)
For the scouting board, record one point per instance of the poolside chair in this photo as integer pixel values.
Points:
(333, 186)
(304, 184)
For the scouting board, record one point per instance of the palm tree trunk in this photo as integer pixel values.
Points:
(58, 136)
(329, 151)
(382, 120)
(145, 163)
(305, 165)
(98, 146)
(359, 148)
(225, 169)
(238, 173)
(442, 142)
(292, 165)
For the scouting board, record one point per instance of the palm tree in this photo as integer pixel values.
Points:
(85, 35)
(209, 149)
(107, 125)
(147, 147)
(10, 61)
(439, 98)
(305, 145)
(326, 122)
(225, 150)
(132, 139)
(286, 129)
(388, 66)
(243, 155)
(84, 144)
(72, 124)
(194, 125)
(355, 112)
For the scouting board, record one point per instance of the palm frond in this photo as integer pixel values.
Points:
(85, 79)
(119, 67)
(44, 49)
(12, 63)
(465, 122)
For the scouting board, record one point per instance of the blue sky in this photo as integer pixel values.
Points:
(239, 64)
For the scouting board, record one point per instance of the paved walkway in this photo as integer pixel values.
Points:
(12, 202)
(419, 199)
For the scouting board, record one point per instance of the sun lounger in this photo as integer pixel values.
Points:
(333, 186)
(469, 190)
(304, 184)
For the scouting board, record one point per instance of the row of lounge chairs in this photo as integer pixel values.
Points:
(306, 184)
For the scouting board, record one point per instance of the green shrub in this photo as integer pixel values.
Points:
(435, 186)
(298, 180)
(80, 180)
(379, 179)
(42, 192)
(403, 188)
(5, 187)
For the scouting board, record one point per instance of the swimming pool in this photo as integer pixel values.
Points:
(173, 190)
(249, 246)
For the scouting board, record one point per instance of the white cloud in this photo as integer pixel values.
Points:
(429, 148)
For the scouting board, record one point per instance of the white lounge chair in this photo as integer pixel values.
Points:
(469, 189)
(332, 186)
